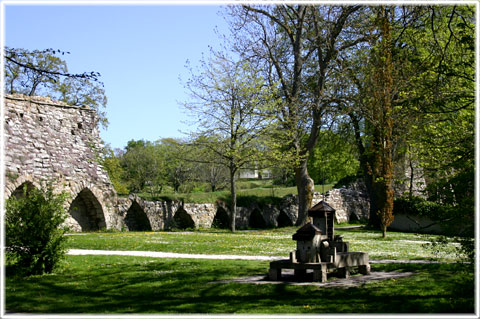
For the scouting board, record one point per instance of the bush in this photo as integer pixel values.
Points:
(453, 221)
(33, 232)
(346, 181)
(417, 206)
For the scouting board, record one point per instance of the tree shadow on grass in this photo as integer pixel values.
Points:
(143, 285)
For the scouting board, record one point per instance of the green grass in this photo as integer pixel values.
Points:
(114, 284)
(261, 191)
(273, 242)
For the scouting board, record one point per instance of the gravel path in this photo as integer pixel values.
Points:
(158, 254)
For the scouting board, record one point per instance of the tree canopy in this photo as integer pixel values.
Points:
(42, 72)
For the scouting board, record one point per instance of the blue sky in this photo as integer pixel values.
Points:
(140, 52)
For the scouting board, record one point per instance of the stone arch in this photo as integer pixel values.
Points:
(17, 185)
(221, 219)
(136, 219)
(283, 220)
(87, 212)
(19, 191)
(183, 219)
(256, 219)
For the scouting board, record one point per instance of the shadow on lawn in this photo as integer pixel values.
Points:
(116, 285)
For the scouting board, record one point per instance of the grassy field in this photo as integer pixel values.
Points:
(125, 284)
(113, 284)
(273, 242)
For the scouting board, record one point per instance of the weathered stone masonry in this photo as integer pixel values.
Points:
(52, 143)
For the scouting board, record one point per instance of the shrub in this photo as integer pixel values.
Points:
(33, 232)
(417, 206)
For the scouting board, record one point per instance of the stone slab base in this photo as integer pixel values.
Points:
(288, 278)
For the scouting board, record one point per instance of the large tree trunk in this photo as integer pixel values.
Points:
(365, 165)
(382, 137)
(305, 188)
(233, 206)
(383, 177)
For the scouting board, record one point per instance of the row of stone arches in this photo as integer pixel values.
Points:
(136, 219)
(86, 214)
(85, 211)
(255, 220)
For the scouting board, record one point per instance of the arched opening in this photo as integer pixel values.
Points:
(23, 190)
(136, 219)
(256, 220)
(183, 220)
(283, 220)
(87, 211)
(221, 219)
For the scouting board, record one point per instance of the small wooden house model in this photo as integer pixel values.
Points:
(323, 216)
(308, 240)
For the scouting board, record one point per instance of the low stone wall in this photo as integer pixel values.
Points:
(139, 214)
(421, 224)
(349, 204)
(415, 224)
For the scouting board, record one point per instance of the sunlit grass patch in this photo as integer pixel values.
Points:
(272, 242)
(124, 284)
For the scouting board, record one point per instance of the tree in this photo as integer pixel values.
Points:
(111, 161)
(381, 118)
(143, 166)
(41, 72)
(295, 46)
(178, 168)
(207, 169)
(34, 238)
(231, 106)
(334, 157)
(444, 136)
(427, 72)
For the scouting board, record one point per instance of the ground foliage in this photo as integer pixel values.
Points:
(34, 235)
(113, 284)
(271, 242)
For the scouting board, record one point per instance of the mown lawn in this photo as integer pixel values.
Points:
(125, 284)
(273, 242)
(114, 284)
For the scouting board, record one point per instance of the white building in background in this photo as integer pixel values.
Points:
(255, 173)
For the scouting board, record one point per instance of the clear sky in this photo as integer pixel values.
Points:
(140, 51)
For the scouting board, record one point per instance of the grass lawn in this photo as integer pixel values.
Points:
(114, 284)
(125, 284)
(273, 242)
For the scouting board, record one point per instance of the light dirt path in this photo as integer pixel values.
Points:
(158, 254)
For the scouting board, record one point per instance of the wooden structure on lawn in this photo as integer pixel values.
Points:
(319, 250)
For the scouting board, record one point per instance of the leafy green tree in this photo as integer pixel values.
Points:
(41, 72)
(34, 236)
(179, 170)
(381, 120)
(334, 157)
(231, 106)
(295, 48)
(143, 166)
(112, 163)
(207, 167)
(431, 92)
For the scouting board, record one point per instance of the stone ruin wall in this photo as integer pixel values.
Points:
(52, 143)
